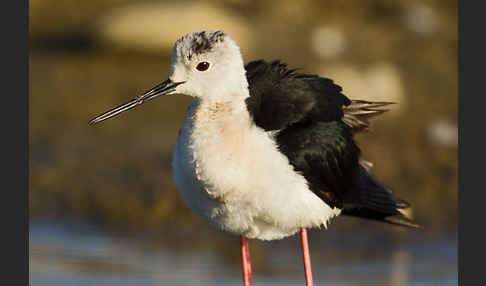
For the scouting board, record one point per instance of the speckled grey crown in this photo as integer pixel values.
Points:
(202, 42)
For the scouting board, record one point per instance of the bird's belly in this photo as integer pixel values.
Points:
(263, 201)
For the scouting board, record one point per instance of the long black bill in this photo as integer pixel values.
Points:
(160, 89)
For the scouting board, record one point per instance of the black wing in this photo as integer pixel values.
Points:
(280, 97)
(326, 155)
(315, 124)
(372, 200)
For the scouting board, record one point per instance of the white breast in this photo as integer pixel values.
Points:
(230, 172)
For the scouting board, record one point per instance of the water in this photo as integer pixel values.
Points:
(81, 254)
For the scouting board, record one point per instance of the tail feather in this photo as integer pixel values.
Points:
(363, 104)
(358, 112)
(372, 200)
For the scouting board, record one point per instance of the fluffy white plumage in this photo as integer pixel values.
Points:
(228, 170)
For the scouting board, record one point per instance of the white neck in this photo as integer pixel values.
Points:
(219, 117)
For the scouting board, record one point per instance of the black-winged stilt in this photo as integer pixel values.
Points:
(264, 151)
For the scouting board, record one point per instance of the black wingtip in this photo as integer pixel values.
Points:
(402, 221)
(360, 103)
(404, 216)
(372, 200)
(402, 204)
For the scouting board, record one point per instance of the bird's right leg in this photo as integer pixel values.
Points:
(245, 261)
(306, 257)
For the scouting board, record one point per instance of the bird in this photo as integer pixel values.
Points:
(266, 151)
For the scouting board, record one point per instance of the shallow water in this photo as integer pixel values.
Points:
(81, 254)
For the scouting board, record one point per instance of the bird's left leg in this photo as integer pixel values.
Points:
(245, 261)
(306, 257)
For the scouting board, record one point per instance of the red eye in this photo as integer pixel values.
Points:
(202, 66)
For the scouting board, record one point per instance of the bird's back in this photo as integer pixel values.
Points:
(314, 124)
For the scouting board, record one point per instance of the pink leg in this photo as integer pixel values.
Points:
(306, 257)
(245, 261)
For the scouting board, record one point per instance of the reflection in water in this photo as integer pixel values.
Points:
(78, 254)
(400, 268)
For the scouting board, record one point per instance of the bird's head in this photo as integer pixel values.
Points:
(207, 65)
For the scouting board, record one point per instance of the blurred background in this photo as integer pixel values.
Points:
(104, 208)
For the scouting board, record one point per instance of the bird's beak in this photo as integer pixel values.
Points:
(164, 88)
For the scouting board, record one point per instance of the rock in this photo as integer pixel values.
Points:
(420, 18)
(443, 132)
(328, 42)
(380, 82)
(155, 26)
